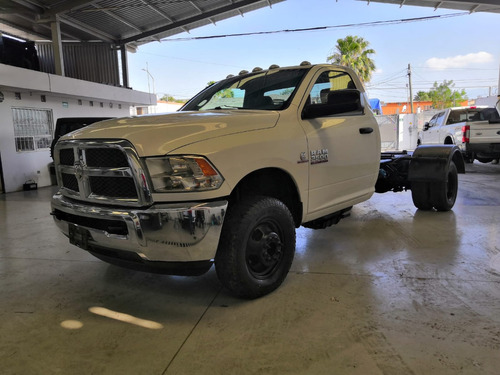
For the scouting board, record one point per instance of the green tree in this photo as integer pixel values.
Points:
(422, 96)
(168, 98)
(443, 95)
(353, 51)
(227, 93)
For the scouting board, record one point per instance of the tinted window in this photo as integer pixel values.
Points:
(267, 90)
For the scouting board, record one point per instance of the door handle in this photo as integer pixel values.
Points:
(365, 130)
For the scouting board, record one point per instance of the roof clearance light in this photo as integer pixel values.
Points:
(274, 66)
(257, 69)
(243, 72)
(305, 63)
(230, 76)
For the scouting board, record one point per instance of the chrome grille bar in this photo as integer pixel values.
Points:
(108, 172)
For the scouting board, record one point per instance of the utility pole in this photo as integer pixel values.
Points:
(411, 92)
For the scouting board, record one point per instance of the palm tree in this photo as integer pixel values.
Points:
(352, 51)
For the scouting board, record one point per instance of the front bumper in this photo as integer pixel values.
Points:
(177, 232)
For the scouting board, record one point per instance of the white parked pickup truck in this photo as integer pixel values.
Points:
(475, 130)
(229, 177)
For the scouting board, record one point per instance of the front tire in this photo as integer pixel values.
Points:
(256, 248)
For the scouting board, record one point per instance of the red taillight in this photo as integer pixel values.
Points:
(465, 133)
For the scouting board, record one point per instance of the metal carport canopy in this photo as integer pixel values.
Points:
(130, 23)
(123, 23)
(120, 22)
(135, 22)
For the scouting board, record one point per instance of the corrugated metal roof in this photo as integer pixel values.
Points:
(492, 6)
(135, 22)
(131, 22)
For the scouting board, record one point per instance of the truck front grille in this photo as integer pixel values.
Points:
(101, 171)
(109, 158)
(119, 187)
(67, 156)
(70, 182)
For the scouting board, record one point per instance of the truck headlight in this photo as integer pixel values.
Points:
(182, 173)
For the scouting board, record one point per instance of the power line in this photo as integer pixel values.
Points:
(317, 28)
(464, 68)
(191, 60)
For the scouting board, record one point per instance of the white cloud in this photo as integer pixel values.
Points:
(460, 61)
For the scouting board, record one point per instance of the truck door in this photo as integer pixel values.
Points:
(431, 136)
(344, 147)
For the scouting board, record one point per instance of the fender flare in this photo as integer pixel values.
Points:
(431, 163)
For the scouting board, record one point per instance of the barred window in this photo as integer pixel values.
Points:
(32, 128)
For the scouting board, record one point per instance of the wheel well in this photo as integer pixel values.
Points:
(448, 141)
(271, 182)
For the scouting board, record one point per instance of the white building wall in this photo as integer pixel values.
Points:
(65, 97)
(160, 108)
(490, 101)
(167, 107)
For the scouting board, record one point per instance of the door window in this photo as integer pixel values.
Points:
(440, 119)
(329, 82)
(433, 120)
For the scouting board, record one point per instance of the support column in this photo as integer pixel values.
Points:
(123, 50)
(57, 46)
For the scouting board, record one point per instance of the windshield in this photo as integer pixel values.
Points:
(266, 90)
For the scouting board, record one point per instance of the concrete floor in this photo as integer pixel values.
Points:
(390, 290)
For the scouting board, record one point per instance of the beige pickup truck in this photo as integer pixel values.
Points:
(229, 177)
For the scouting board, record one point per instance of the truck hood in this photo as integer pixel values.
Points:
(161, 134)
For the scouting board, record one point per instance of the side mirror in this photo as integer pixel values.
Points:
(426, 126)
(339, 101)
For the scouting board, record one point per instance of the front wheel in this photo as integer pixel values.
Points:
(256, 248)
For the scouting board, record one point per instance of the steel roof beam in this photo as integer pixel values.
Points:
(161, 13)
(101, 35)
(187, 21)
(65, 7)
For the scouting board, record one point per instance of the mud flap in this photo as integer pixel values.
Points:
(431, 163)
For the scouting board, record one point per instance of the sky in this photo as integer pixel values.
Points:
(464, 48)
